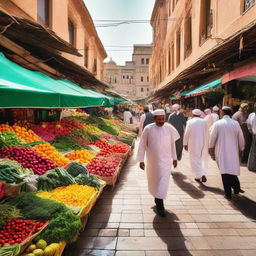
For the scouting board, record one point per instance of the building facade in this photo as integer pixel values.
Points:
(187, 33)
(131, 79)
(71, 21)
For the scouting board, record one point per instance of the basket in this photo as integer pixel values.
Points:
(61, 248)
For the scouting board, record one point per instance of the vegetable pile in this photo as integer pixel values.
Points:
(81, 156)
(51, 153)
(14, 231)
(9, 174)
(8, 138)
(104, 166)
(28, 158)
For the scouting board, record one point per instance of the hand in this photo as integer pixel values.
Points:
(186, 147)
(175, 163)
(142, 165)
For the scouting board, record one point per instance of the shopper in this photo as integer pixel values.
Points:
(241, 116)
(196, 143)
(127, 116)
(178, 120)
(146, 119)
(251, 123)
(215, 114)
(226, 145)
(158, 142)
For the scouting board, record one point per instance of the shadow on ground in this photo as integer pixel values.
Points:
(187, 186)
(168, 230)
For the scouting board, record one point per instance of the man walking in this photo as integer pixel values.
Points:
(145, 119)
(251, 123)
(178, 120)
(226, 144)
(158, 142)
(241, 116)
(215, 114)
(196, 143)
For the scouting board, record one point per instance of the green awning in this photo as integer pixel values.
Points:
(23, 88)
(199, 90)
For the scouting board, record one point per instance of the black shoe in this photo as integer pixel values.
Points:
(204, 179)
(161, 213)
(228, 197)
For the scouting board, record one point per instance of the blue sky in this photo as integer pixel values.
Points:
(124, 35)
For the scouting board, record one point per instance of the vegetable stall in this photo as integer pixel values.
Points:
(51, 175)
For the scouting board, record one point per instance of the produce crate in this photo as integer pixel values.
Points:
(84, 221)
(87, 208)
(62, 247)
(29, 240)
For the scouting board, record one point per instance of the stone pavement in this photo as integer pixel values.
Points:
(200, 221)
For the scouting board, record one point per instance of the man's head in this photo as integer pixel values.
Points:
(207, 111)
(215, 109)
(197, 112)
(159, 115)
(176, 107)
(244, 107)
(226, 111)
(146, 109)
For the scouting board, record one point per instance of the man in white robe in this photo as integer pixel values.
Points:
(215, 114)
(158, 142)
(208, 118)
(127, 116)
(226, 144)
(195, 141)
(251, 123)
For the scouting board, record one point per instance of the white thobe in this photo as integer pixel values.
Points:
(215, 117)
(196, 138)
(142, 119)
(159, 145)
(127, 116)
(209, 121)
(227, 138)
(251, 123)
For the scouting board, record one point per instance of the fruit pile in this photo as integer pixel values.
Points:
(73, 195)
(93, 129)
(42, 249)
(81, 156)
(14, 231)
(21, 132)
(28, 158)
(43, 133)
(51, 153)
(104, 166)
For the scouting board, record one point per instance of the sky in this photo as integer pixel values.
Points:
(118, 40)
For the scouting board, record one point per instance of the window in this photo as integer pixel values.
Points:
(43, 12)
(115, 80)
(169, 8)
(127, 77)
(178, 48)
(71, 32)
(249, 4)
(94, 66)
(147, 61)
(148, 89)
(142, 61)
(142, 89)
(188, 37)
(205, 20)
(123, 77)
(169, 60)
(173, 5)
(147, 78)
(141, 79)
(86, 55)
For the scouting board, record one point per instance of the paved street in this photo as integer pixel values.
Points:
(200, 221)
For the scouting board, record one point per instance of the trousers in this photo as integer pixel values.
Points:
(230, 181)
(159, 204)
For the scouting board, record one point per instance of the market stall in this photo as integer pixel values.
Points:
(51, 175)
